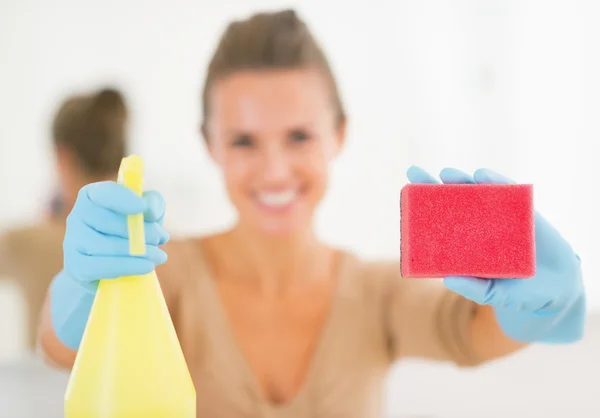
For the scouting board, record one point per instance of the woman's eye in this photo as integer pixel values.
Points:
(243, 141)
(299, 136)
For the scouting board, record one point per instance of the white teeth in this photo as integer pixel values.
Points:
(278, 199)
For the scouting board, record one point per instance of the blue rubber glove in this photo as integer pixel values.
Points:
(96, 246)
(549, 307)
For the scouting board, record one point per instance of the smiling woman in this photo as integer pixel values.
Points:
(273, 120)
(272, 321)
(273, 135)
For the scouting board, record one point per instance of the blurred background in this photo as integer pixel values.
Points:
(509, 85)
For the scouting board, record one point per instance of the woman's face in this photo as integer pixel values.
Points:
(274, 133)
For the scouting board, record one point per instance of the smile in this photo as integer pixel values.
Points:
(277, 199)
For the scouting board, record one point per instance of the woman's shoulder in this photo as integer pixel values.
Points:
(370, 266)
(185, 249)
(34, 247)
(30, 238)
(369, 275)
(184, 255)
(196, 248)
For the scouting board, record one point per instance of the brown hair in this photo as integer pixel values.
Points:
(268, 41)
(93, 128)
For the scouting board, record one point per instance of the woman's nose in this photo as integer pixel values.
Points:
(276, 165)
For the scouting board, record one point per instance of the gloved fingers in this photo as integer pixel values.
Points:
(454, 176)
(478, 290)
(102, 221)
(447, 175)
(114, 197)
(93, 268)
(487, 176)
(93, 243)
(517, 294)
(96, 243)
(155, 206)
(418, 175)
(154, 234)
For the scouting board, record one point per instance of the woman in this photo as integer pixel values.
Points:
(272, 321)
(89, 135)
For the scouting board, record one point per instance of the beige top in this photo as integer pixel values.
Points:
(376, 317)
(32, 256)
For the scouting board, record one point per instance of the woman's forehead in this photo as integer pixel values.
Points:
(270, 99)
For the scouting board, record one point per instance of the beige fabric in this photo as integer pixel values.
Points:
(32, 256)
(376, 318)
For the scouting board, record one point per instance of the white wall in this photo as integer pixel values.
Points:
(467, 83)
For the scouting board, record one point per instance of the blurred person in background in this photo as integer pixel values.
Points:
(272, 321)
(89, 138)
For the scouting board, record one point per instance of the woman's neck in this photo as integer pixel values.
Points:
(276, 264)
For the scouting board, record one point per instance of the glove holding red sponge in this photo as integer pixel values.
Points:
(490, 246)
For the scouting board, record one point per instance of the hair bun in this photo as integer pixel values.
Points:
(289, 14)
(111, 100)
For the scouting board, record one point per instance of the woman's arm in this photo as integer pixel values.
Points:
(487, 339)
(57, 353)
(427, 320)
(491, 327)
(549, 307)
(95, 247)
(53, 350)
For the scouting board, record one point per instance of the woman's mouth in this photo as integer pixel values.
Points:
(278, 200)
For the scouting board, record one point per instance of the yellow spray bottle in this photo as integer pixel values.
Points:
(130, 363)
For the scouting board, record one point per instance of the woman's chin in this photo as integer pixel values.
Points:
(281, 230)
(282, 227)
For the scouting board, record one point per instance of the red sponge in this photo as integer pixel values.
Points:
(481, 230)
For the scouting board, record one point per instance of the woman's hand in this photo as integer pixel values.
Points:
(96, 246)
(549, 307)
